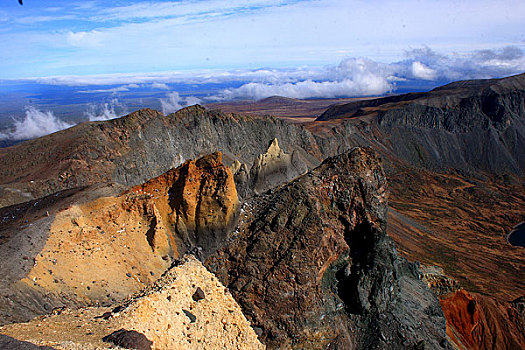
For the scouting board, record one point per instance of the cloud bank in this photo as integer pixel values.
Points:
(106, 111)
(35, 124)
(364, 77)
(173, 102)
(351, 77)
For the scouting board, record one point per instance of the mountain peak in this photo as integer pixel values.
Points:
(195, 109)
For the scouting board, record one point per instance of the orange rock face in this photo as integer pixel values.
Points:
(197, 201)
(134, 233)
(478, 322)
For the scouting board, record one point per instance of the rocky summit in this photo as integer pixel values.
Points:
(382, 224)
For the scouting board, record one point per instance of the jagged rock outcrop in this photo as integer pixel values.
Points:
(312, 267)
(447, 152)
(469, 126)
(270, 169)
(436, 280)
(478, 322)
(164, 316)
(197, 201)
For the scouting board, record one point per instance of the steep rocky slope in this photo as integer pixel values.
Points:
(455, 162)
(168, 314)
(460, 223)
(471, 125)
(304, 258)
(197, 202)
(270, 169)
(313, 268)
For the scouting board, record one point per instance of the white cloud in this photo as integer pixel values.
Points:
(113, 90)
(160, 86)
(188, 9)
(35, 124)
(351, 77)
(174, 102)
(106, 111)
(369, 85)
(36, 19)
(191, 34)
(478, 64)
(171, 103)
(83, 39)
(420, 71)
(191, 100)
(361, 77)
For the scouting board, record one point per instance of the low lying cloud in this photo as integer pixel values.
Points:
(160, 86)
(106, 111)
(114, 90)
(173, 102)
(351, 77)
(355, 77)
(481, 64)
(35, 124)
(311, 89)
(421, 71)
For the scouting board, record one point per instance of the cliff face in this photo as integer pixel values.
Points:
(269, 170)
(312, 267)
(197, 201)
(309, 262)
(471, 126)
(305, 256)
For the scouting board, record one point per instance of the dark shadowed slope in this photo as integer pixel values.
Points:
(469, 125)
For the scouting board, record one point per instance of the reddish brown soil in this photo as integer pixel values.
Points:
(282, 107)
(79, 156)
(460, 224)
(478, 322)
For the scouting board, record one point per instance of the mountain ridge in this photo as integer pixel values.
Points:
(454, 164)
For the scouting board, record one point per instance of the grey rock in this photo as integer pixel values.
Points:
(198, 295)
(129, 340)
(8, 343)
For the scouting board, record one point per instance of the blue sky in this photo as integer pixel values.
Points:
(79, 38)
